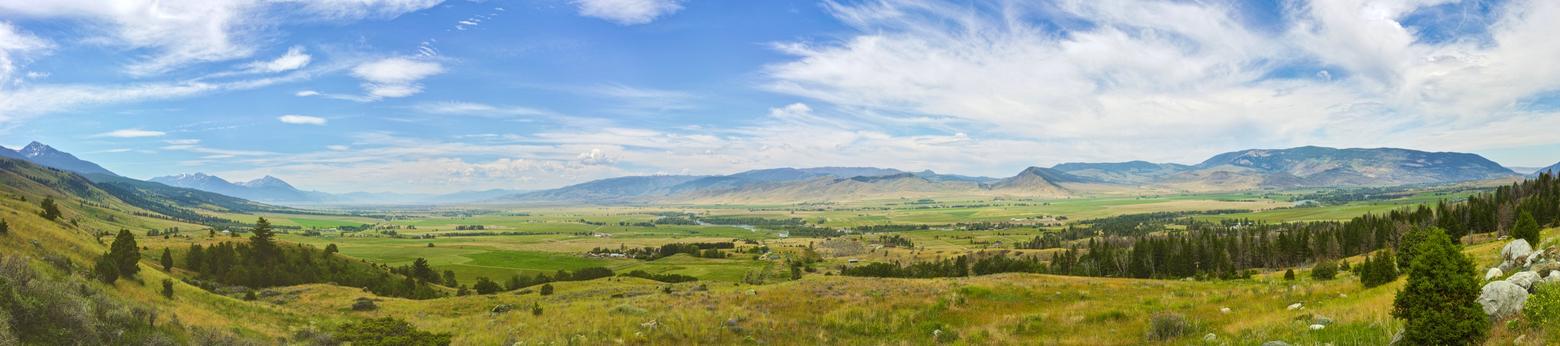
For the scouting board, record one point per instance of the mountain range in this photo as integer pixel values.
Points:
(1301, 167)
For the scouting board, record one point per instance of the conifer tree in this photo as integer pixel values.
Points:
(1526, 229)
(167, 260)
(1440, 301)
(124, 253)
(51, 211)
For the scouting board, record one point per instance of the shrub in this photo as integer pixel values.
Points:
(1542, 308)
(386, 332)
(536, 309)
(1440, 301)
(1289, 275)
(105, 270)
(485, 286)
(50, 210)
(1324, 270)
(167, 290)
(4, 228)
(546, 290)
(1165, 326)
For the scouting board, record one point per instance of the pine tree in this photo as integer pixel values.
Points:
(1407, 245)
(167, 260)
(1289, 275)
(1526, 229)
(449, 279)
(331, 249)
(195, 259)
(125, 254)
(262, 239)
(50, 210)
(1440, 301)
(167, 288)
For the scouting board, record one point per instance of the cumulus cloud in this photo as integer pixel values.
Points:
(628, 12)
(131, 133)
(301, 119)
(395, 77)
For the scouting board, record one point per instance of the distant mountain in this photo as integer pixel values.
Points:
(1552, 170)
(47, 156)
(1241, 170)
(266, 189)
(613, 190)
(10, 154)
(1330, 167)
(1130, 172)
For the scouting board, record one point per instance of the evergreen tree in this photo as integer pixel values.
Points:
(1289, 275)
(422, 271)
(263, 240)
(331, 249)
(546, 290)
(1440, 301)
(4, 228)
(167, 288)
(195, 258)
(105, 270)
(1526, 229)
(167, 260)
(125, 254)
(50, 210)
(449, 279)
(1408, 244)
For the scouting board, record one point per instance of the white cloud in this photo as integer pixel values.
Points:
(395, 77)
(131, 133)
(1106, 90)
(16, 44)
(628, 12)
(301, 119)
(294, 59)
(355, 9)
(170, 35)
(477, 109)
(306, 93)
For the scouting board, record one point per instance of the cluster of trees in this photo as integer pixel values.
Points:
(950, 267)
(485, 285)
(121, 259)
(895, 241)
(470, 227)
(667, 277)
(705, 250)
(261, 262)
(752, 221)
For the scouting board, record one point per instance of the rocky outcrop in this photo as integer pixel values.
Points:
(1524, 279)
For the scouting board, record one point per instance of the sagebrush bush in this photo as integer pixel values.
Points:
(1543, 307)
(1324, 270)
(1166, 326)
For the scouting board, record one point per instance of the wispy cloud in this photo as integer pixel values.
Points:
(301, 119)
(294, 59)
(131, 133)
(628, 12)
(395, 77)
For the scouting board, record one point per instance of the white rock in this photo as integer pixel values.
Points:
(1227, 310)
(1502, 298)
(1317, 327)
(1296, 306)
(1524, 279)
(1210, 337)
(1493, 273)
(1514, 249)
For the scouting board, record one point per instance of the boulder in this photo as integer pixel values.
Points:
(1296, 306)
(1210, 337)
(1524, 279)
(1502, 298)
(1224, 310)
(364, 304)
(1322, 320)
(1493, 273)
(1514, 250)
(1275, 343)
(1317, 327)
(502, 308)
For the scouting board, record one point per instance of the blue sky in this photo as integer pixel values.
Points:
(438, 96)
